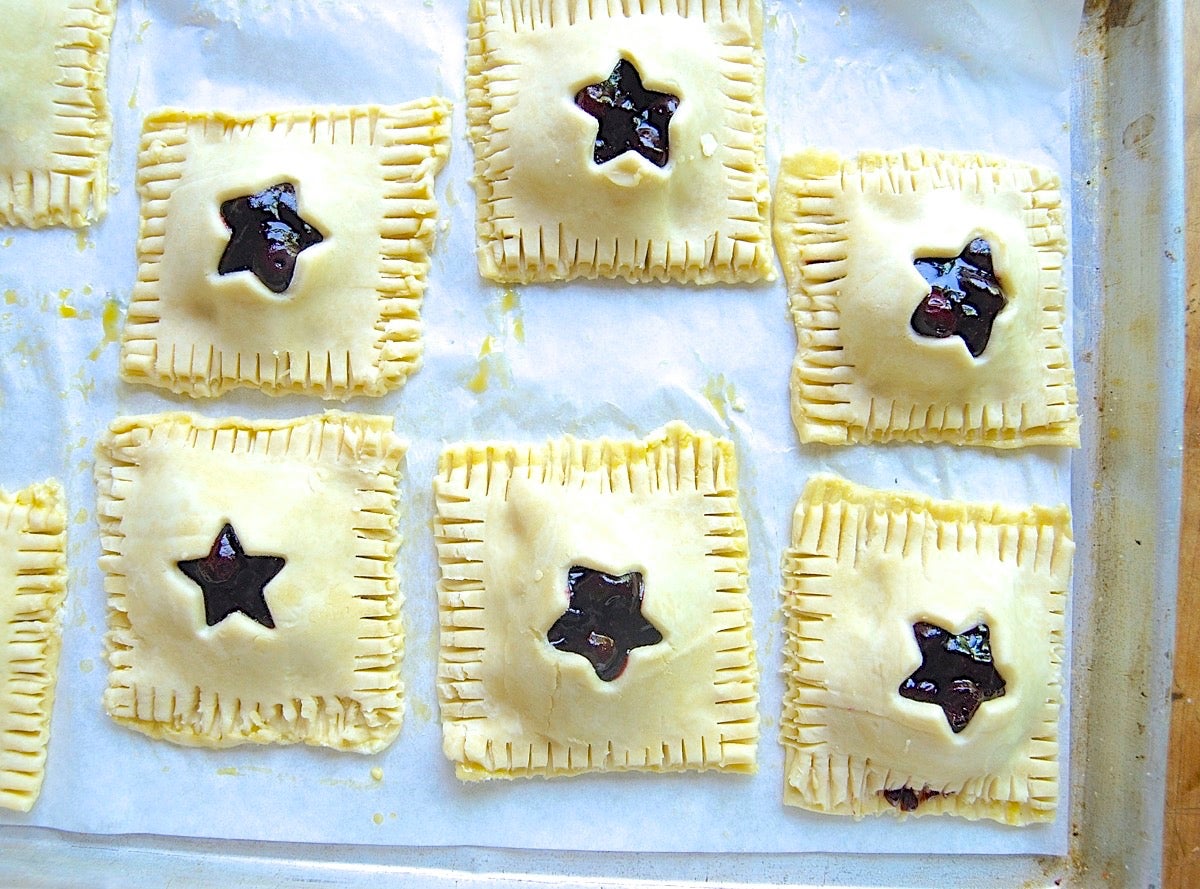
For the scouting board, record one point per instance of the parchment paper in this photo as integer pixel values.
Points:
(588, 358)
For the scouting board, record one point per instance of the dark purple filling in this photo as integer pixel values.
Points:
(631, 117)
(956, 672)
(603, 621)
(266, 236)
(906, 799)
(964, 297)
(232, 581)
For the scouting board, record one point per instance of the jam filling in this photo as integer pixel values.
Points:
(906, 799)
(266, 236)
(233, 581)
(964, 297)
(631, 117)
(603, 621)
(956, 672)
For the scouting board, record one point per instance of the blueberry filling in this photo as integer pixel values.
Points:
(630, 117)
(603, 621)
(266, 235)
(964, 297)
(956, 672)
(232, 581)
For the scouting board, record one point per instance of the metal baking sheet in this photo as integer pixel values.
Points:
(1127, 249)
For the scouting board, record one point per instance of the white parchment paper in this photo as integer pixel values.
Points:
(588, 358)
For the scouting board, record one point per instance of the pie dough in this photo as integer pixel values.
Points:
(511, 522)
(55, 125)
(849, 232)
(33, 578)
(320, 492)
(547, 211)
(863, 567)
(349, 322)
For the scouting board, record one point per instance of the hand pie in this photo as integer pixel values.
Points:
(252, 594)
(286, 252)
(927, 294)
(55, 125)
(923, 651)
(619, 140)
(594, 608)
(33, 577)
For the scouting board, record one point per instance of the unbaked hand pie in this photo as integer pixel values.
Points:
(923, 655)
(252, 594)
(33, 576)
(287, 251)
(927, 294)
(55, 125)
(594, 608)
(619, 140)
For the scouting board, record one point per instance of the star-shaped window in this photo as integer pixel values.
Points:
(266, 235)
(964, 297)
(631, 117)
(233, 581)
(603, 621)
(956, 672)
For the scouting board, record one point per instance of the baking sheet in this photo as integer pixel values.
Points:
(584, 358)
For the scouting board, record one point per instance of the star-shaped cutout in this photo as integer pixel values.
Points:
(266, 236)
(631, 117)
(603, 621)
(964, 297)
(233, 581)
(956, 672)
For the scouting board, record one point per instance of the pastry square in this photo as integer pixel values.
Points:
(594, 608)
(33, 584)
(287, 252)
(619, 140)
(55, 124)
(923, 651)
(926, 289)
(252, 594)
